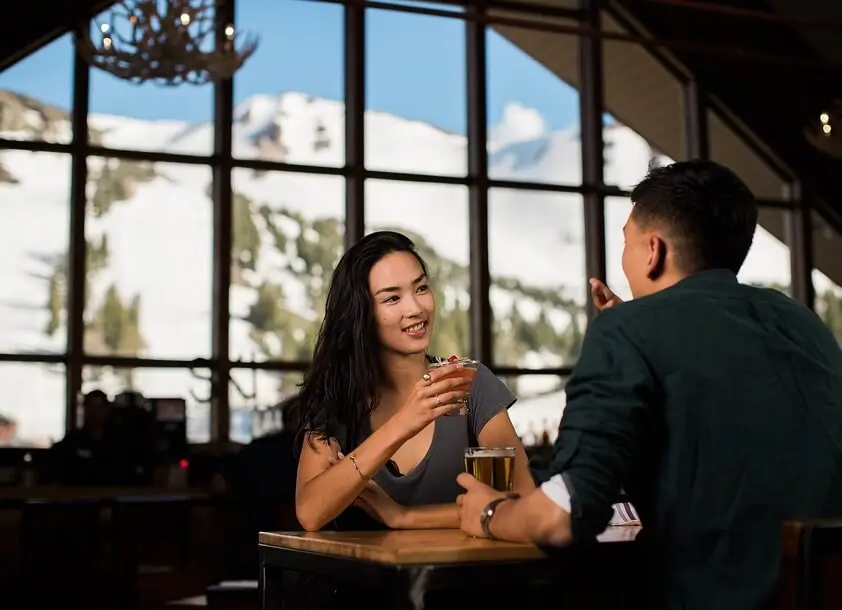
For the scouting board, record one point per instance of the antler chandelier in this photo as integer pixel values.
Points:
(167, 42)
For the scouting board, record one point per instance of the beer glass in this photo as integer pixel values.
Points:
(494, 466)
(468, 371)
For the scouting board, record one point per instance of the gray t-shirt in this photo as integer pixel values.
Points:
(433, 480)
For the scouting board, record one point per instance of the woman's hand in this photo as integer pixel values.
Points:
(376, 502)
(434, 396)
(381, 507)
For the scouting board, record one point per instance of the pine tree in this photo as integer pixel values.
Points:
(267, 309)
(132, 343)
(245, 248)
(112, 317)
(55, 302)
(96, 255)
(829, 308)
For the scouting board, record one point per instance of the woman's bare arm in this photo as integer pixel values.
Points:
(323, 490)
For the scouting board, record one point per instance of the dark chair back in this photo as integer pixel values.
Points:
(151, 533)
(60, 545)
(811, 569)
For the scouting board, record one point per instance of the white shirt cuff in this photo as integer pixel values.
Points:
(624, 512)
(556, 490)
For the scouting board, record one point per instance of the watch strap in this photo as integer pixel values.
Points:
(490, 509)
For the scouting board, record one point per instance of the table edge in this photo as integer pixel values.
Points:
(507, 552)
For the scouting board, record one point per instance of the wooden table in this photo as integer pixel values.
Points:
(406, 566)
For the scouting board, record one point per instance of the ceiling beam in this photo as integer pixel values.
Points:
(37, 23)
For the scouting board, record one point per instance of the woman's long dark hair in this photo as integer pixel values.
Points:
(340, 388)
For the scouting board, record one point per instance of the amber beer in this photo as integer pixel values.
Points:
(467, 370)
(494, 466)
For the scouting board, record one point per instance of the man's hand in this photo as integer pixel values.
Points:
(471, 503)
(380, 506)
(602, 296)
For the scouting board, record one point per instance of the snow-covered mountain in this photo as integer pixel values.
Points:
(150, 240)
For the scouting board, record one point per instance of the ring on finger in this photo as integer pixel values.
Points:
(426, 377)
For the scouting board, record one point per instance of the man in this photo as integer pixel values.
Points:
(717, 406)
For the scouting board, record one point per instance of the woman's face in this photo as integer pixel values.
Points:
(404, 305)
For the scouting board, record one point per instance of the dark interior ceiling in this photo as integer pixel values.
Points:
(35, 22)
(773, 98)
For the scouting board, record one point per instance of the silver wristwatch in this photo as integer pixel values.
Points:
(490, 509)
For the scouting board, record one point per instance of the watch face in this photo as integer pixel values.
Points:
(485, 520)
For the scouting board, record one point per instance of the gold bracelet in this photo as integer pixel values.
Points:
(353, 459)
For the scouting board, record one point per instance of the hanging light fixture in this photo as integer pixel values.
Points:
(824, 132)
(167, 42)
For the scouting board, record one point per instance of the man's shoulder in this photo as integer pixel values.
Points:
(691, 310)
(671, 310)
(689, 299)
(640, 310)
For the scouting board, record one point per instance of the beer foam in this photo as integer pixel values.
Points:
(479, 452)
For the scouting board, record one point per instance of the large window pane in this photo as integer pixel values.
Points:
(192, 385)
(415, 93)
(435, 217)
(537, 413)
(147, 116)
(255, 397)
(289, 94)
(537, 263)
(730, 149)
(533, 107)
(34, 198)
(645, 102)
(768, 262)
(628, 157)
(827, 276)
(617, 210)
(36, 95)
(148, 230)
(33, 405)
(288, 236)
(829, 303)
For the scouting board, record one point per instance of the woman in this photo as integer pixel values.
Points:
(381, 432)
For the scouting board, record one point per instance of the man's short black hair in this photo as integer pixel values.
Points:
(707, 212)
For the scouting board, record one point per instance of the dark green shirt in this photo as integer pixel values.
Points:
(718, 407)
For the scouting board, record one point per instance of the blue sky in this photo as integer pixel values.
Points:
(414, 62)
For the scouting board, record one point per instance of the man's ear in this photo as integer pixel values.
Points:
(656, 263)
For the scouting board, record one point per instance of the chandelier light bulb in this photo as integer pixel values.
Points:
(824, 118)
(185, 19)
(826, 129)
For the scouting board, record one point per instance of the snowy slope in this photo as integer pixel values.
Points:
(160, 238)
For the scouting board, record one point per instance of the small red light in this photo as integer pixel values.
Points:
(183, 464)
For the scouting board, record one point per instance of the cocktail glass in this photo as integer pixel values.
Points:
(467, 370)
